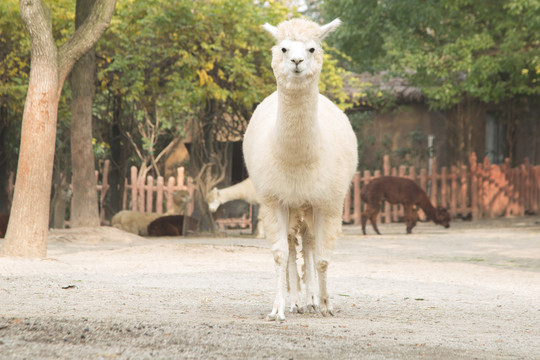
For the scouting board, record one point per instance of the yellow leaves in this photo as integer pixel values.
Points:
(524, 71)
(204, 78)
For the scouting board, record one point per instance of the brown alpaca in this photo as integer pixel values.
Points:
(398, 190)
(4, 219)
(166, 226)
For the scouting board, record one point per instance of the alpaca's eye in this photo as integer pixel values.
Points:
(284, 50)
(312, 50)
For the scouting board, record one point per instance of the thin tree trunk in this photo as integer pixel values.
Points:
(84, 206)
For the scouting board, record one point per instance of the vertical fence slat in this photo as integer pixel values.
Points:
(453, 190)
(356, 199)
(149, 193)
(134, 185)
(159, 194)
(433, 188)
(423, 185)
(347, 206)
(464, 205)
(140, 191)
(444, 191)
(170, 190)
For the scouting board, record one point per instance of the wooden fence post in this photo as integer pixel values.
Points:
(464, 204)
(386, 165)
(474, 186)
(356, 199)
(453, 190)
(134, 185)
(423, 185)
(347, 204)
(433, 194)
(170, 189)
(149, 193)
(159, 194)
(444, 191)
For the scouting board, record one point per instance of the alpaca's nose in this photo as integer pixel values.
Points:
(297, 61)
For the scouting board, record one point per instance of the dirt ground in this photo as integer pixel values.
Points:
(471, 291)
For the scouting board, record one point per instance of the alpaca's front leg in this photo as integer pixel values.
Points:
(280, 250)
(312, 296)
(324, 229)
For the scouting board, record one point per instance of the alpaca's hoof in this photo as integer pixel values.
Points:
(275, 317)
(295, 308)
(326, 312)
(326, 308)
(312, 308)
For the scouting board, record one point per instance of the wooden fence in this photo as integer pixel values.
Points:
(146, 195)
(481, 190)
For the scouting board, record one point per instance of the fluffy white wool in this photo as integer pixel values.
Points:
(301, 153)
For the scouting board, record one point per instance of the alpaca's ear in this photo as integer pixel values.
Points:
(271, 29)
(328, 28)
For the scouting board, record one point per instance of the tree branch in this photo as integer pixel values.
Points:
(84, 38)
(38, 22)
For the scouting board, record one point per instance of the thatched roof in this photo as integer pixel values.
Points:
(398, 87)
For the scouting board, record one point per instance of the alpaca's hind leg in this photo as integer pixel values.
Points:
(310, 279)
(325, 229)
(278, 221)
(294, 280)
(372, 214)
(364, 217)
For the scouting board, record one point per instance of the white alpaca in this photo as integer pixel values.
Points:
(301, 154)
(242, 191)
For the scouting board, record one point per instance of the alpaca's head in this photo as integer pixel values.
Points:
(297, 57)
(181, 200)
(442, 217)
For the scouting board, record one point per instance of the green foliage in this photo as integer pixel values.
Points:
(451, 49)
(163, 64)
(14, 58)
(206, 63)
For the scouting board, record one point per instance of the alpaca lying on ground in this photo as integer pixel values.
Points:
(4, 219)
(301, 153)
(136, 222)
(242, 191)
(398, 190)
(170, 225)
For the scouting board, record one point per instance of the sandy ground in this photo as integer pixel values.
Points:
(471, 291)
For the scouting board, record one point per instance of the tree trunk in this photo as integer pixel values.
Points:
(26, 234)
(84, 206)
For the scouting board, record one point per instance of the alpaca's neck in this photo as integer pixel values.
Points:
(428, 208)
(297, 133)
